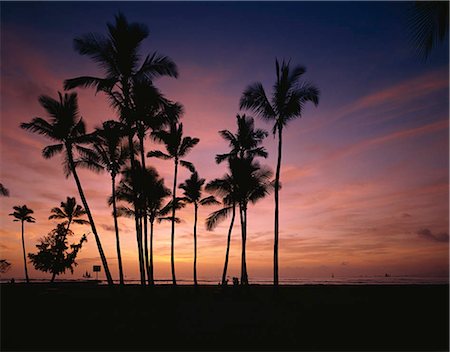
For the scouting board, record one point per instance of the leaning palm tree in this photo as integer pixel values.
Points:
(192, 192)
(70, 211)
(225, 188)
(65, 127)
(177, 147)
(286, 103)
(23, 214)
(117, 55)
(109, 153)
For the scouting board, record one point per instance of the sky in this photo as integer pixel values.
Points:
(365, 174)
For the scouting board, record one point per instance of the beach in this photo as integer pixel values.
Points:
(86, 316)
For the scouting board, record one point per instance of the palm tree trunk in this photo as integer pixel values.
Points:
(225, 267)
(144, 209)
(277, 183)
(195, 243)
(53, 277)
(147, 263)
(24, 255)
(136, 207)
(244, 278)
(150, 268)
(172, 236)
(116, 227)
(91, 219)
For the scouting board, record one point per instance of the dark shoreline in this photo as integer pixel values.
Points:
(89, 317)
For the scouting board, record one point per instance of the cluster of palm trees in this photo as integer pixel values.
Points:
(144, 112)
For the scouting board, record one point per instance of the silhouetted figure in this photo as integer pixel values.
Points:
(283, 105)
(235, 281)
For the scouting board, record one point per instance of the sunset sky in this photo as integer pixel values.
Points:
(365, 174)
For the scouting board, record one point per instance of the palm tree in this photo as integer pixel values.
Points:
(246, 142)
(71, 211)
(224, 187)
(118, 56)
(177, 147)
(286, 103)
(192, 191)
(67, 129)
(4, 191)
(151, 187)
(23, 214)
(429, 25)
(109, 153)
(252, 182)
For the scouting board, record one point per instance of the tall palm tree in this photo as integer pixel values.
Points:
(177, 147)
(109, 153)
(152, 188)
(4, 191)
(252, 182)
(70, 211)
(286, 103)
(192, 192)
(117, 55)
(225, 188)
(65, 127)
(23, 214)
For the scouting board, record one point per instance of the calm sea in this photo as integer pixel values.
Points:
(337, 280)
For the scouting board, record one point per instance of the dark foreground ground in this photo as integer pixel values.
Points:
(88, 317)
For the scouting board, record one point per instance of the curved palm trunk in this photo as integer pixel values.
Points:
(24, 255)
(150, 268)
(116, 228)
(277, 183)
(244, 275)
(144, 207)
(136, 209)
(91, 220)
(195, 243)
(225, 267)
(172, 235)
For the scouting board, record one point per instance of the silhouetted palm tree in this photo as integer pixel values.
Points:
(4, 191)
(192, 191)
(429, 25)
(286, 103)
(225, 188)
(246, 142)
(67, 129)
(71, 211)
(252, 182)
(152, 188)
(23, 214)
(118, 56)
(177, 147)
(109, 153)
